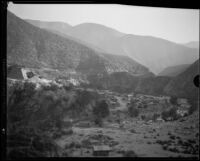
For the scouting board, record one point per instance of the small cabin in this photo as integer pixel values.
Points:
(101, 150)
(15, 72)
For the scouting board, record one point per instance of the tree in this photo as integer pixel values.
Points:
(100, 111)
(29, 74)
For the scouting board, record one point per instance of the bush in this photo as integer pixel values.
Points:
(155, 116)
(170, 113)
(132, 110)
(173, 100)
(29, 74)
(193, 107)
(68, 87)
(85, 97)
(51, 87)
(101, 110)
(98, 121)
(20, 102)
(143, 117)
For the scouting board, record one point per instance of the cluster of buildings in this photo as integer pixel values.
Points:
(16, 73)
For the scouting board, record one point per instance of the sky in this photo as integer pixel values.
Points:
(177, 25)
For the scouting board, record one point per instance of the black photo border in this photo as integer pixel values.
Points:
(184, 4)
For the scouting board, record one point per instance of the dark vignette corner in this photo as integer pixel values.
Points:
(159, 3)
(3, 14)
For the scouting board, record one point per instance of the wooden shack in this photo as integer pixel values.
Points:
(15, 72)
(101, 150)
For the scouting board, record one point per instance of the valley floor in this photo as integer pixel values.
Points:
(178, 138)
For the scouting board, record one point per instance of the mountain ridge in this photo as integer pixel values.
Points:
(164, 53)
(35, 47)
(174, 70)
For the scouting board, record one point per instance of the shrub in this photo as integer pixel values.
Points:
(173, 100)
(143, 117)
(155, 116)
(29, 74)
(51, 87)
(193, 107)
(133, 112)
(132, 108)
(98, 121)
(84, 97)
(68, 87)
(170, 113)
(101, 110)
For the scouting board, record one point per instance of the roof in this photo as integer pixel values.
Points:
(14, 72)
(101, 148)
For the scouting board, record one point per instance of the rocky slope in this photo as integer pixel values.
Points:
(174, 70)
(183, 85)
(34, 47)
(154, 53)
(180, 85)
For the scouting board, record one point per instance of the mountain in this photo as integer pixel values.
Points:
(83, 33)
(192, 44)
(152, 85)
(121, 82)
(35, 47)
(154, 53)
(59, 26)
(182, 85)
(174, 70)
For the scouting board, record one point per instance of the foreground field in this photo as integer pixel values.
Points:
(53, 121)
(143, 138)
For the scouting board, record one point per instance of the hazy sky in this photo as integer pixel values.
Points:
(177, 25)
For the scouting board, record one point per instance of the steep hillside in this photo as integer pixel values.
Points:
(101, 36)
(182, 85)
(51, 25)
(122, 82)
(61, 29)
(35, 47)
(174, 70)
(154, 53)
(152, 85)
